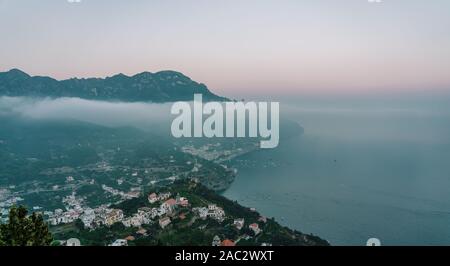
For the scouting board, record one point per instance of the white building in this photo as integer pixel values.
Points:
(255, 228)
(127, 222)
(164, 196)
(119, 243)
(113, 216)
(202, 212)
(239, 223)
(88, 217)
(216, 241)
(73, 242)
(218, 214)
(152, 198)
(212, 207)
(183, 202)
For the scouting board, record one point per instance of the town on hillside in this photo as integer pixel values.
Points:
(185, 213)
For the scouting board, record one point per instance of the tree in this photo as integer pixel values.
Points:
(2, 242)
(24, 230)
(40, 235)
(79, 224)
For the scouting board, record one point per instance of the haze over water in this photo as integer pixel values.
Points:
(359, 171)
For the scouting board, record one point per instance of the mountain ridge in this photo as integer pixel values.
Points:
(161, 86)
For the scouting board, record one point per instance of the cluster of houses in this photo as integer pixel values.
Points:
(163, 208)
(6, 201)
(91, 218)
(211, 151)
(153, 197)
(146, 215)
(103, 215)
(133, 193)
(74, 209)
(143, 216)
(212, 211)
(62, 217)
(239, 224)
(166, 210)
(167, 207)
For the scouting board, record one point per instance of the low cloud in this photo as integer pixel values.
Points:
(140, 115)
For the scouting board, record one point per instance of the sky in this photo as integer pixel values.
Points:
(235, 47)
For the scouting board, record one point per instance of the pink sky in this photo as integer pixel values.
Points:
(237, 47)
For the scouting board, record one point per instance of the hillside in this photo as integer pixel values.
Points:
(188, 214)
(163, 86)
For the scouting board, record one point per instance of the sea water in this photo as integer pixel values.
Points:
(357, 172)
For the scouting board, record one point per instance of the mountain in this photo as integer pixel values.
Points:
(163, 86)
(35, 151)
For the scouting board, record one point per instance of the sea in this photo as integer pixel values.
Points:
(360, 170)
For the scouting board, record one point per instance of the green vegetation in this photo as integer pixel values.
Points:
(24, 230)
(163, 86)
(36, 157)
(190, 230)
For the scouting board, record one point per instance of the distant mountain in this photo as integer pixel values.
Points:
(163, 86)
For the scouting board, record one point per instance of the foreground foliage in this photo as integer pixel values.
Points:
(24, 230)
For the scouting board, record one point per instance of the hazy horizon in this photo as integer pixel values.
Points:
(238, 48)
